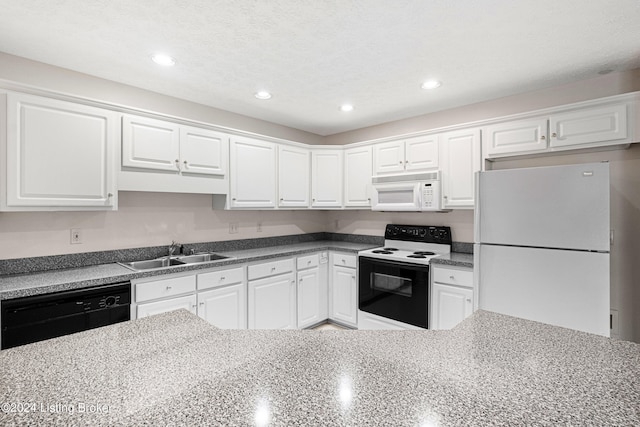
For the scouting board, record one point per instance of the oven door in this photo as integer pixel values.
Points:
(395, 290)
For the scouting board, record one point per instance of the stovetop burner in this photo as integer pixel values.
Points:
(416, 256)
(382, 251)
(424, 253)
(389, 249)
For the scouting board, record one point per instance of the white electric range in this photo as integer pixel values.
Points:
(393, 280)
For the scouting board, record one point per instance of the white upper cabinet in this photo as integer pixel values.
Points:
(515, 137)
(460, 161)
(326, 178)
(599, 124)
(203, 151)
(589, 125)
(388, 157)
(358, 169)
(150, 144)
(165, 146)
(418, 153)
(59, 155)
(294, 173)
(253, 173)
(421, 153)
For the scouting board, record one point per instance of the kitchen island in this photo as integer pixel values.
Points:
(176, 369)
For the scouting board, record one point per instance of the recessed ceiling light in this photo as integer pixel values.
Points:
(346, 107)
(263, 94)
(431, 84)
(164, 60)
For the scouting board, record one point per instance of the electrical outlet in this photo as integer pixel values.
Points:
(233, 227)
(76, 236)
(259, 227)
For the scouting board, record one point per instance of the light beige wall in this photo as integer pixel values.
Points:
(144, 219)
(607, 85)
(49, 77)
(625, 221)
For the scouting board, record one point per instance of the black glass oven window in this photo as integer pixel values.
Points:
(394, 284)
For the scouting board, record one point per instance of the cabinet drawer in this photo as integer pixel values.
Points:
(344, 260)
(451, 276)
(188, 302)
(308, 261)
(270, 268)
(165, 288)
(216, 279)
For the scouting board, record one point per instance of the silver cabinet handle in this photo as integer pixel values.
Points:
(222, 277)
(400, 161)
(468, 300)
(282, 199)
(193, 306)
(201, 303)
(452, 278)
(168, 288)
(554, 135)
(233, 199)
(110, 195)
(177, 164)
(406, 161)
(543, 138)
(185, 164)
(273, 269)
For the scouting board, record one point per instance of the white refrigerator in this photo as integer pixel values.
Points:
(542, 241)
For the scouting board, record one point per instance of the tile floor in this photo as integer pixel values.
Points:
(328, 327)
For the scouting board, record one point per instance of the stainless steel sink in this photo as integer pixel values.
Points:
(197, 258)
(166, 262)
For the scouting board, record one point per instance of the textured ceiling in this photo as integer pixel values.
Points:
(315, 55)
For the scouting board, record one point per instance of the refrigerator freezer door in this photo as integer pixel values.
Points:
(558, 287)
(551, 207)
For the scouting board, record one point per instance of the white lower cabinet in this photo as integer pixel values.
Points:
(222, 300)
(312, 290)
(343, 290)
(187, 302)
(451, 296)
(159, 296)
(272, 299)
(225, 308)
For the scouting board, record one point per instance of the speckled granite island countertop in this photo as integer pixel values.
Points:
(176, 369)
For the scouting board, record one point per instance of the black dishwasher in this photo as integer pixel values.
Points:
(40, 317)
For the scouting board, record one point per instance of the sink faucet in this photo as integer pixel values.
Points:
(174, 247)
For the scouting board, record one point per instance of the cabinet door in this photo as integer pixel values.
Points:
(59, 154)
(309, 298)
(294, 172)
(253, 174)
(272, 303)
(344, 300)
(449, 305)
(203, 151)
(388, 158)
(225, 308)
(461, 159)
(590, 125)
(187, 302)
(150, 144)
(421, 153)
(516, 137)
(358, 169)
(326, 178)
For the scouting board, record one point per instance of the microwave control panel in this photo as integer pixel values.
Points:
(430, 195)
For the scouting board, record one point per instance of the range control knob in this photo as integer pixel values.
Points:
(109, 301)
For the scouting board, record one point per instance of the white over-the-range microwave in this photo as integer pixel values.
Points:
(418, 192)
